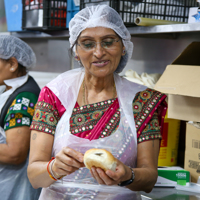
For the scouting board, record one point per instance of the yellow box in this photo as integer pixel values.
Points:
(169, 143)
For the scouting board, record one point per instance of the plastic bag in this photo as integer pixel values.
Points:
(190, 187)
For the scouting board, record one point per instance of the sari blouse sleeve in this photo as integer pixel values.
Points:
(48, 111)
(149, 108)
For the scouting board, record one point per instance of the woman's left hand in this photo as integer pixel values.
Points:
(110, 177)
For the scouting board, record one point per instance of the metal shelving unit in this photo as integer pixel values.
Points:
(42, 35)
(173, 28)
(134, 31)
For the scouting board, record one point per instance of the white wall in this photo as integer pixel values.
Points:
(150, 55)
(42, 78)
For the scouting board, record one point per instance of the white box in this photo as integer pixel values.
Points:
(194, 15)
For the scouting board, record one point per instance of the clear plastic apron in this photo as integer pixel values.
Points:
(122, 144)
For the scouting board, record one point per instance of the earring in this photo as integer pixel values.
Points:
(76, 58)
(12, 69)
(124, 52)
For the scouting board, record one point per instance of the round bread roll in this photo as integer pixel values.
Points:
(100, 158)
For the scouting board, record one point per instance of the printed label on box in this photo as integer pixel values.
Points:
(194, 165)
(170, 177)
(194, 15)
(165, 135)
(195, 144)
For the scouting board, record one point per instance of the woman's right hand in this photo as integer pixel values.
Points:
(67, 161)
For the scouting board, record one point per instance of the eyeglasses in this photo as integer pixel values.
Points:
(107, 44)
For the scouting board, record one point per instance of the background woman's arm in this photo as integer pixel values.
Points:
(16, 148)
(17, 129)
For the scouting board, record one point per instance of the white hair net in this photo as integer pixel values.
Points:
(11, 46)
(101, 16)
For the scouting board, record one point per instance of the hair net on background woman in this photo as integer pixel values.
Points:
(93, 107)
(11, 46)
(18, 95)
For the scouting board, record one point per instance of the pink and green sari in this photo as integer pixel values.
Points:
(139, 118)
(101, 119)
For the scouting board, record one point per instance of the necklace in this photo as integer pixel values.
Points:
(85, 93)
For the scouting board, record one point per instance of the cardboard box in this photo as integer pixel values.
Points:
(192, 152)
(172, 176)
(181, 82)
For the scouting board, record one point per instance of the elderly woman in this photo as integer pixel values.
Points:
(18, 96)
(93, 107)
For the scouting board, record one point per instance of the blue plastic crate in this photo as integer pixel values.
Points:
(13, 10)
(72, 9)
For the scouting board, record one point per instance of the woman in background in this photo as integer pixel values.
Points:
(18, 96)
(93, 107)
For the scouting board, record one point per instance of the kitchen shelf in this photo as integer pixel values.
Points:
(42, 35)
(143, 31)
(4, 33)
(172, 28)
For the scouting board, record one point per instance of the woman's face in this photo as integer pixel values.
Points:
(4, 71)
(99, 50)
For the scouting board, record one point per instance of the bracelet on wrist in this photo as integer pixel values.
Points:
(49, 171)
(51, 174)
(128, 182)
